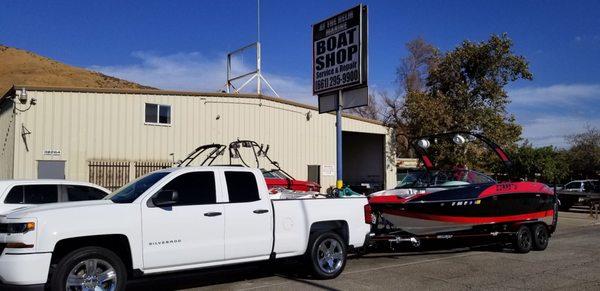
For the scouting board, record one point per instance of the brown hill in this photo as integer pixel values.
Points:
(23, 67)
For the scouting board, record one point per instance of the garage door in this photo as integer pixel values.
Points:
(364, 161)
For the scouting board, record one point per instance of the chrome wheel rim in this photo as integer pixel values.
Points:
(330, 256)
(92, 275)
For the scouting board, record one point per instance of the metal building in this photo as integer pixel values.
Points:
(110, 136)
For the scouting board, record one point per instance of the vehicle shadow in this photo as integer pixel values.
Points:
(288, 269)
(291, 269)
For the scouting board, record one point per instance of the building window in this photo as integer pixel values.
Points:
(158, 114)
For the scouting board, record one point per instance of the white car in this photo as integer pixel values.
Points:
(19, 193)
(172, 220)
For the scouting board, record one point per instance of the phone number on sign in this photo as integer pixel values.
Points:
(337, 80)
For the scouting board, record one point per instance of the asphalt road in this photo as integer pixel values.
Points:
(572, 261)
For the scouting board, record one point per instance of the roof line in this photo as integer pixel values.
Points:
(13, 89)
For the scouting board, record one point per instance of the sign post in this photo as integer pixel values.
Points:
(340, 68)
(339, 183)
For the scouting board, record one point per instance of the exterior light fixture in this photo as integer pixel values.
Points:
(23, 96)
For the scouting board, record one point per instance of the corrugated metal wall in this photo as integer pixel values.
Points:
(110, 126)
(7, 139)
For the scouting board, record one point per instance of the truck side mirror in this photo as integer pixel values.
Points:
(165, 198)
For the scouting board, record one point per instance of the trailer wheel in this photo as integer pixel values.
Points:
(326, 255)
(523, 240)
(89, 268)
(540, 237)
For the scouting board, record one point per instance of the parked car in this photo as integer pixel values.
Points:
(173, 220)
(578, 192)
(19, 193)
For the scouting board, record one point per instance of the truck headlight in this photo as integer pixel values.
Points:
(20, 227)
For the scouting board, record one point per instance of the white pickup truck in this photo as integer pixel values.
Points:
(171, 220)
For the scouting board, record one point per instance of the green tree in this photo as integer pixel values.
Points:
(465, 91)
(584, 154)
(546, 164)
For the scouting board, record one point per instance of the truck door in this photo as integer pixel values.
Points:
(189, 232)
(248, 218)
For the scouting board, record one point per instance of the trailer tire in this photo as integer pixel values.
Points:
(104, 268)
(539, 232)
(523, 240)
(326, 255)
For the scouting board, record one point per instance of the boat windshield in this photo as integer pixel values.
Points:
(274, 174)
(446, 178)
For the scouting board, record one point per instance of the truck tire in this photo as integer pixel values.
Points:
(523, 240)
(326, 255)
(539, 232)
(89, 268)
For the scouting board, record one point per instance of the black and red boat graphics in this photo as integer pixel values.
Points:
(451, 201)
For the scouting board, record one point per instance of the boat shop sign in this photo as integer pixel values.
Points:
(339, 51)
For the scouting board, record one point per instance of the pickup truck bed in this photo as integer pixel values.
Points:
(290, 237)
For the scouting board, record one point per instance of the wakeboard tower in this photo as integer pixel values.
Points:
(278, 181)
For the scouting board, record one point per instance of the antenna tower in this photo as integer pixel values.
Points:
(252, 75)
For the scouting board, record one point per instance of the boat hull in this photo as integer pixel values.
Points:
(462, 209)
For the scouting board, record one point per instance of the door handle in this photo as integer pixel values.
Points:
(260, 211)
(211, 214)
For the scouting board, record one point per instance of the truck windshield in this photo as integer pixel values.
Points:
(133, 190)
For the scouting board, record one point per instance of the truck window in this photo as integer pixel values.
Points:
(83, 193)
(195, 188)
(242, 187)
(32, 194)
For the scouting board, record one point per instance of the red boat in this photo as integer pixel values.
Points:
(279, 179)
(465, 203)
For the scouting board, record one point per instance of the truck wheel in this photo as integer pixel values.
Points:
(326, 255)
(522, 243)
(540, 237)
(89, 268)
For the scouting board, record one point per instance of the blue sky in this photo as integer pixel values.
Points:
(182, 45)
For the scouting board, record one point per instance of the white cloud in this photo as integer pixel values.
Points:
(552, 130)
(555, 94)
(196, 71)
(548, 114)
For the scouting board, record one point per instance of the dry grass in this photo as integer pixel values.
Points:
(23, 67)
